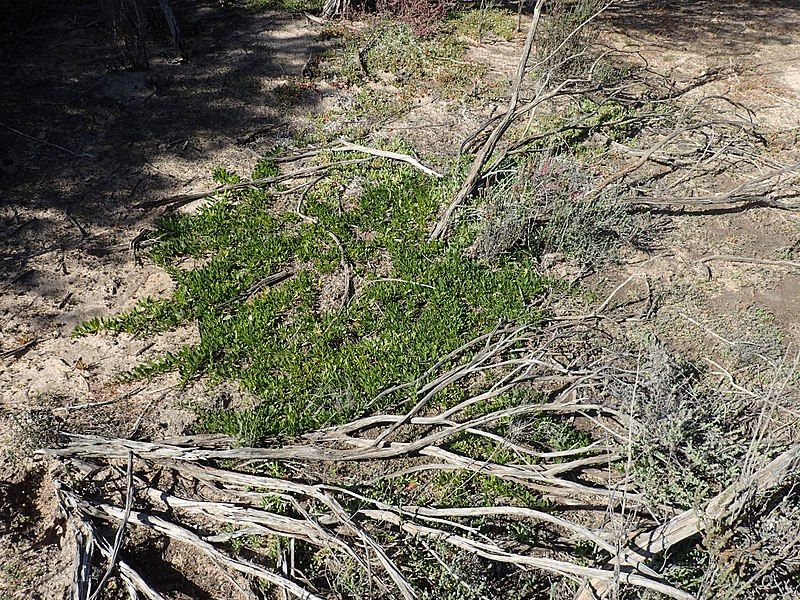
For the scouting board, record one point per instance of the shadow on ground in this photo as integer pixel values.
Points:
(724, 28)
(82, 142)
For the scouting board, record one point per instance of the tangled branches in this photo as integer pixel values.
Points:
(648, 146)
(205, 492)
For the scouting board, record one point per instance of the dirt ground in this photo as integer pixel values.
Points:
(81, 144)
(757, 47)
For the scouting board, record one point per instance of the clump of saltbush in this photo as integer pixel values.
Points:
(547, 206)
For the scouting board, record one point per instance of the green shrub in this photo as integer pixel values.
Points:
(310, 358)
(544, 207)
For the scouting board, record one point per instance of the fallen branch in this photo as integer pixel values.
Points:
(112, 561)
(81, 578)
(183, 199)
(647, 155)
(326, 528)
(473, 176)
(176, 532)
(646, 545)
(347, 279)
(349, 147)
(493, 552)
(748, 260)
(350, 521)
(46, 143)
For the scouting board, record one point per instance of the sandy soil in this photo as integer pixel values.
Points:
(756, 45)
(81, 144)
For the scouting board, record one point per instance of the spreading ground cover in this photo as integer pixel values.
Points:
(312, 350)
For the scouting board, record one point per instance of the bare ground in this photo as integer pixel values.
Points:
(757, 46)
(105, 140)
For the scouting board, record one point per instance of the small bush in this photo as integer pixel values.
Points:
(544, 208)
(693, 436)
(424, 16)
(755, 552)
(475, 24)
(392, 52)
(561, 41)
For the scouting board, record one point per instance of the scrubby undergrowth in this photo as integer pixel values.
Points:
(329, 302)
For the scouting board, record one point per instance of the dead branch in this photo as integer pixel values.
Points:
(183, 199)
(133, 581)
(320, 531)
(762, 190)
(495, 553)
(748, 260)
(473, 176)
(648, 154)
(46, 143)
(650, 543)
(176, 532)
(259, 285)
(112, 561)
(345, 146)
(347, 283)
(343, 519)
(81, 578)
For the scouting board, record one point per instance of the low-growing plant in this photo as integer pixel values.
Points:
(392, 51)
(315, 351)
(423, 16)
(290, 5)
(477, 24)
(546, 207)
(693, 437)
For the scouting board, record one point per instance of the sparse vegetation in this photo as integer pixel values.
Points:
(290, 5)
(391, 52)
(544, 208)
(478, 25)
(694, 437)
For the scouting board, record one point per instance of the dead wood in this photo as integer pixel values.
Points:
(647, 544)
(345, 146)
(175, 202)
(473, 176)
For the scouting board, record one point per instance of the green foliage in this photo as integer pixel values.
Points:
(290, 5)
(391, 51)
(477, 24)
(447, 582)
(311, 361)
(147, 370)
(562, 40)
(370, 104)
(93, 325)
(693, 438)
(222, 176)
(556, 434)
(687, 566)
